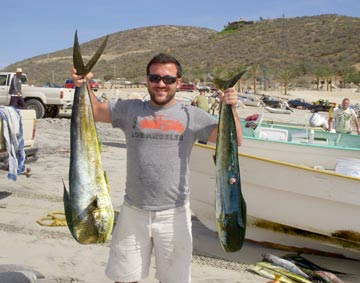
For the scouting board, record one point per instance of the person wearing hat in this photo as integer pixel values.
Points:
(201, 100)
(16, 99)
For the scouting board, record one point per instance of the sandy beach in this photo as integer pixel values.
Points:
(53, 252)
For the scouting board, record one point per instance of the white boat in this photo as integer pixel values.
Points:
(278, 110)
(299, 145)
(249, 100)
(318, 201)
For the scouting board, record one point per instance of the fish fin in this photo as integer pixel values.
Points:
(100, 145)
(68, 211)
(107, 181)
(81, 69)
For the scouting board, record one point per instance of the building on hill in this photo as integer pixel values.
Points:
(238, 24)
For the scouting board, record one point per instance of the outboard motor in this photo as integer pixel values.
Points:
(316, 120)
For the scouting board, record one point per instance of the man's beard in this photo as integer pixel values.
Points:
(167, 99)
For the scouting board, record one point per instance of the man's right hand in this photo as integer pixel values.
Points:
(79, 80)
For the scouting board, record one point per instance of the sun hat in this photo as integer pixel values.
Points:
(18, 70)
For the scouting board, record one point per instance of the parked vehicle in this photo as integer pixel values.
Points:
(299, 103)
(187, 87)
(203, 87)
(322, 105)
(94, 85)
(48, 84)
(270, 101)
(46, 101)
(69, 83)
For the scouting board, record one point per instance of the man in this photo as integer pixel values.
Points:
(343, 117)
(155, 214)
(201, 101)
(16, 99)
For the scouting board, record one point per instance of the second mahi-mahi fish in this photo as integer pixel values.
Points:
(230, 203)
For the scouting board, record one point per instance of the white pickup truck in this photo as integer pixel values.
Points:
(47, 102)
(28, 118)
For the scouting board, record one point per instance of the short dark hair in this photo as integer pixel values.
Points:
(163, 58)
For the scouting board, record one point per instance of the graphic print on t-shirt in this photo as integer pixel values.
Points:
(158, 127)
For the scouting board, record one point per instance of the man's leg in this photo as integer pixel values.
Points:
(173, 244)
(131, 246)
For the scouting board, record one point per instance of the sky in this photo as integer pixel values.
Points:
(35, 27)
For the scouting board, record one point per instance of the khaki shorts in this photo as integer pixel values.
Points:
(138, 232)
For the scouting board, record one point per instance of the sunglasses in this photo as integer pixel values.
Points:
(168, 80)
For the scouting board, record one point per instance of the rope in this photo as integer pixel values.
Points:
(53, 219)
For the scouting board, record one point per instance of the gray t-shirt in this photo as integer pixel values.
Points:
(159, 142)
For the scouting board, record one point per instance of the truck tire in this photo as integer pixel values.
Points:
(37, 106)
(52, 111)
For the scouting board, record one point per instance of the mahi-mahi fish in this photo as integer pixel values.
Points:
(230, 203)
(88, 207)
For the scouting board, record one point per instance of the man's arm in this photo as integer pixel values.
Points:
(229, 97)
(330, 123)
(356, 123)
(101, 110)
(194, 101)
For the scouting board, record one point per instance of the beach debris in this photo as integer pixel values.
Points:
(230, 203)
(20, 268)
(286, 273)
(285, 264)
(53, 219)
(277, 279)
(269, 273)
(330, 277)
(305, 263)
(27, 172)
(17, 277)
(88, 208)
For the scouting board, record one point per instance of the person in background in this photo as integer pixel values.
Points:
(16, 99)
(214, 103)
(160, 134)
(201, 100)
(343, 117)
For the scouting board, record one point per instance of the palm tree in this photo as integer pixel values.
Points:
(254, 72)
(285, 76)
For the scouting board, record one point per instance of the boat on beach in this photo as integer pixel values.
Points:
(249, 100)
(278, 110)
(302, 145)
(317, 201)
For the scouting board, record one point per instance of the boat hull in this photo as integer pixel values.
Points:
(297, 196)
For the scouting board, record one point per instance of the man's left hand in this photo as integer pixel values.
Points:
(230, 97)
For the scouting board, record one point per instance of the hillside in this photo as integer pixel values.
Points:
(286, 43)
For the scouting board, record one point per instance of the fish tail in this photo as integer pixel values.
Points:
(79, 65)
